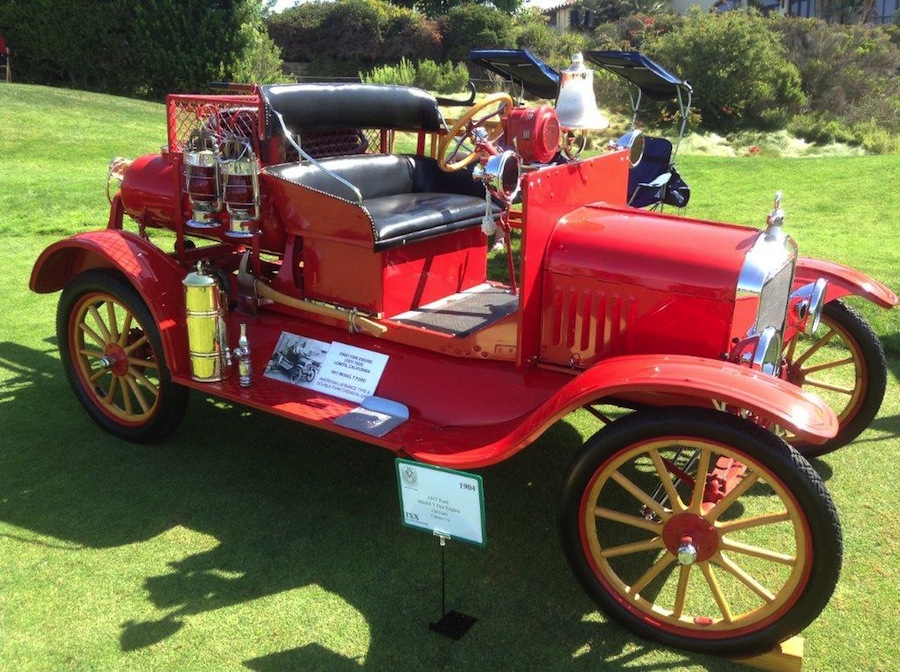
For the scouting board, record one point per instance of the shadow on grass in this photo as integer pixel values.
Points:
(290, 507)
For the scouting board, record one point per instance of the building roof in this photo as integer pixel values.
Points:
(547, 5)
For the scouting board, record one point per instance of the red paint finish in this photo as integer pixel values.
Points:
(147, 193)
(156, 277)
(843, 281)
(547, 195)
(613, 303)
(620, 281)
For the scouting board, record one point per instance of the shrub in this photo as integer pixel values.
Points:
(848, 72)
(737, 67)
(442, 78)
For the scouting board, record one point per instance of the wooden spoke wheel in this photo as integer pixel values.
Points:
(112, 354)
(700, 530)
(844, 364)
(457, 149)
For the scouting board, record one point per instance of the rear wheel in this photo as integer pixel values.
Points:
(844, 364)
(113, 357)
(700, 530)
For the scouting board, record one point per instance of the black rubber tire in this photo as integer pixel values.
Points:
(115, 399)
(853, 336)
(592, 489)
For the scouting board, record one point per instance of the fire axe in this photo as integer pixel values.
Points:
(251, 290)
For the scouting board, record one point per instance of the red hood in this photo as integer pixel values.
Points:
(661, 252)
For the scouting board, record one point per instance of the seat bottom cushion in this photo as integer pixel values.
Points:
(403, 218)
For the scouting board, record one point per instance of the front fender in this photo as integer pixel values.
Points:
(668, 379)
(155, 276)
(843, 281)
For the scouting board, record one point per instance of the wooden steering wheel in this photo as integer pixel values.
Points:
(464, 128)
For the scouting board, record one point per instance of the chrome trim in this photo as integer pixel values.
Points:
(633, 141)
(761, 352)
(806, 305)
(768, 257)
(502, 175)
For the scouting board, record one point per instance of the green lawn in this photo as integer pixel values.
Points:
(248, 542)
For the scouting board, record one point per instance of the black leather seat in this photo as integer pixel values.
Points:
(406, 198)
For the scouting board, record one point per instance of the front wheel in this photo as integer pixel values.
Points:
(113, 357)
(844, 364)
(700, 530)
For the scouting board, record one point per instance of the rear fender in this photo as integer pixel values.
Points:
(662, 380)
(155, 276)
(843, 281)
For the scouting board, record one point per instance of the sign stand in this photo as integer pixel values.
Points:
(450, 505)
(452, 624)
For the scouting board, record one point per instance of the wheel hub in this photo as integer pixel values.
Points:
(115, 359)
(690, 538)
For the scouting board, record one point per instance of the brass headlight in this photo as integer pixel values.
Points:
(805, 306)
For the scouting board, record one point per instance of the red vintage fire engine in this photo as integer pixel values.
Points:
(329, 265)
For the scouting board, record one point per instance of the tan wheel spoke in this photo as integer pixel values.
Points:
(723, 504)
(111, 321)
(666, 480)
(142, 363)
(136, 391)
(97, 375)
(654, 571)
(126, 396)
(101, 325)
(829, 365)
(681, 593)
(728, 565)
(637, 547)
(828, 386)
(126, 327)
(716, 591)
(148, 384)
(110, 393)
(87, 352)
(755, 521)
(93, 334)
(640, 495)
(138, 343)
(792, 346)
(757, 552)
(625, 519)
(700, 481)
(815, 347)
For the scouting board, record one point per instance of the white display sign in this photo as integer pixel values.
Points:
(332, 368)
(349, 372)
(442, 501)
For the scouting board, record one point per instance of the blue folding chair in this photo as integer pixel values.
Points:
(653, 180)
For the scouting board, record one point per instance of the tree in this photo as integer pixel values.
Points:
(434, 9)
(343, 38)
(737, 66)
(146, 48)
(473, 26)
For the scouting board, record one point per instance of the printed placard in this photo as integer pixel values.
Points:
(337, 369)
(441, 501)
(349, 372)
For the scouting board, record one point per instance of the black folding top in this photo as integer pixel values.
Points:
(522, 67)
(321, 107)
(652, 79)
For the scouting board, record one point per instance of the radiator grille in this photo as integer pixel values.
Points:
(773, 299)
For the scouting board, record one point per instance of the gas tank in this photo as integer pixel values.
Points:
(150, 191)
